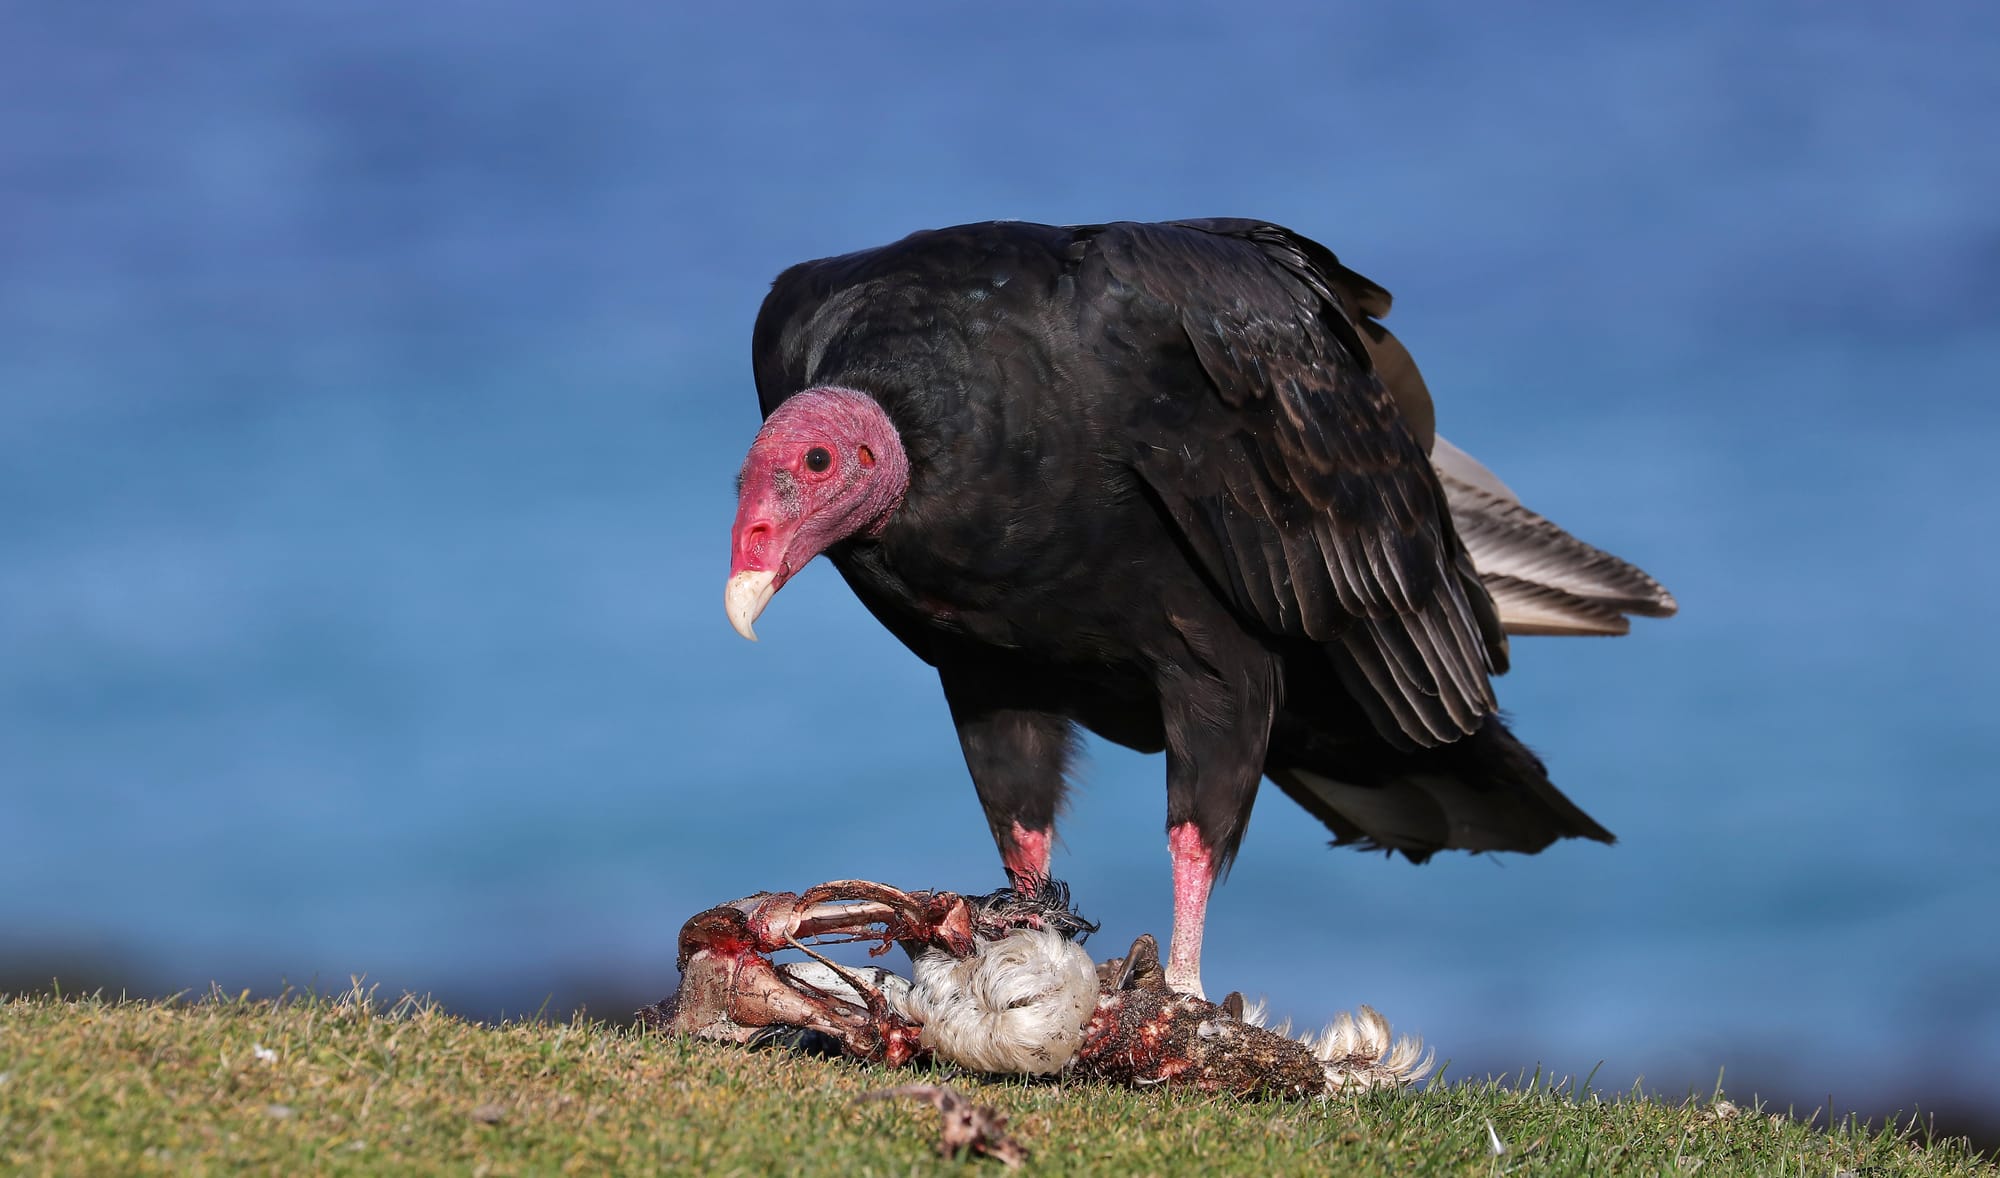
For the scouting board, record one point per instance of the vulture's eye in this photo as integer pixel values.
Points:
(817, 459)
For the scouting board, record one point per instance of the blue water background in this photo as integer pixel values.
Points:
(372, 378)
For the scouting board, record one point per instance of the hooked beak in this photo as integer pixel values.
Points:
(747, 595)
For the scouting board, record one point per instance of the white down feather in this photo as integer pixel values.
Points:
(1018, 1004)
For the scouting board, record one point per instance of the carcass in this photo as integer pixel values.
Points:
(999, 984)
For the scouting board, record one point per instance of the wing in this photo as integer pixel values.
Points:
(1542, 579)
(1290, 470)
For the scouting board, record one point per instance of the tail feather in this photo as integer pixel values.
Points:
(1542, 579)
(1487, 792)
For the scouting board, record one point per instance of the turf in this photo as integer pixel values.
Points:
(347, 1085)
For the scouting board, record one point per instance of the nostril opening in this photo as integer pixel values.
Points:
(755, 541)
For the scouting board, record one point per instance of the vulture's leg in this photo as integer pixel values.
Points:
(1017, 757)
(1218, 726)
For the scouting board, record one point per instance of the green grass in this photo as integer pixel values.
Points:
(94, 1086)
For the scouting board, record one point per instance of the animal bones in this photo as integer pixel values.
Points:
(999, 985)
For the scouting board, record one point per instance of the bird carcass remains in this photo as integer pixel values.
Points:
(998, 984)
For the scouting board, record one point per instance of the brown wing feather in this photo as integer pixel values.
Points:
(1290, 469)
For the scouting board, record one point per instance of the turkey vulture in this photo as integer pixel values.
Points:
(1173, 483)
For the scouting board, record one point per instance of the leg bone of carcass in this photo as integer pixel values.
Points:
(1140, 1030)
(941, 919)
(731, 991)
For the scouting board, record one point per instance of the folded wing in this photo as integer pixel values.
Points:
(1289, 469)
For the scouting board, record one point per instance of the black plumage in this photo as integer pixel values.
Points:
(1174, 483)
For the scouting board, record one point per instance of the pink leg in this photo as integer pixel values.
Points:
(1029, 857)
(1194, 877)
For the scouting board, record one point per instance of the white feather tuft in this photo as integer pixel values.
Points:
(1255, 1013)
(1018, 1004)
(1358, 1051)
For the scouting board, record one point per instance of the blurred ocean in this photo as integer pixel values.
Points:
(372, 378)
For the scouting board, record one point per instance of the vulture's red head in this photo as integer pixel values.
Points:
(826, 466)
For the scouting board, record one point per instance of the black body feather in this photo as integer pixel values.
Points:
(1171, 482)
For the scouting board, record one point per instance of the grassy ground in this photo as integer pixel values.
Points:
(346, 1086)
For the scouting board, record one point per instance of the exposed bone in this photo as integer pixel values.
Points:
(731, 991)
(1000, 987)
(841, 916)
(893, 986)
